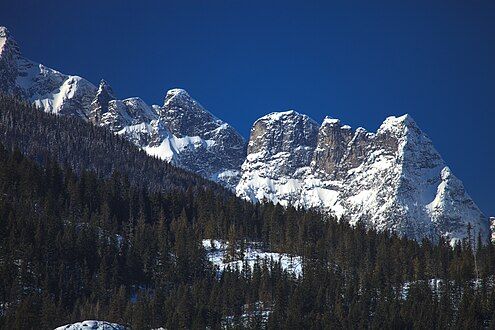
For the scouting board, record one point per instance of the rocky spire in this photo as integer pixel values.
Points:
(99, 106)
(7, 43)
(9, 52)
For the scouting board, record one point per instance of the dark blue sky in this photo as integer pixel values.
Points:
(350, 60)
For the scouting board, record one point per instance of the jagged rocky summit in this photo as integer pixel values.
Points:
(392, 179)
(180, 131)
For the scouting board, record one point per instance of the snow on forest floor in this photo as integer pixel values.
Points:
(437, 285)
(92, 325)
(217, 254)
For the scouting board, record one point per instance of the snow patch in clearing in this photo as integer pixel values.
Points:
(216, 254)
(92, 325)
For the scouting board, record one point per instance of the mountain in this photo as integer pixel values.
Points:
(392, 180)
(180, 131)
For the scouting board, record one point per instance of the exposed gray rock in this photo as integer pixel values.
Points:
(332, 146)
(287, 136)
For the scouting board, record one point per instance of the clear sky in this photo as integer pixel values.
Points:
(242, 59)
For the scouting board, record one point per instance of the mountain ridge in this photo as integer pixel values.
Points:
(392, 179)
(180, 131)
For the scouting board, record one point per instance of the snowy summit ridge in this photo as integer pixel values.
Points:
(392, 179)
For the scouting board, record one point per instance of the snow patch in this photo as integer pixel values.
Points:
(216, 253)
(92, 325)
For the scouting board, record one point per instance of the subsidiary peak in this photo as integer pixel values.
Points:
(9, 48)
(4, 32)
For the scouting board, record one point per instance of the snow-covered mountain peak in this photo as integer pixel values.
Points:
(99, 105)
(450, 181)
(4, 35)
(399, 125)
(403, 137)
(187, 116)
(176, 92)
(452, 210)
(331, 121)
(289, 115)
(282, 132)
(46, 88)
(104, 86)
(277, 115)
(9, 48)
(184, 115)
(105, 91)
(206, 144)
(177, 96)
(394, 120)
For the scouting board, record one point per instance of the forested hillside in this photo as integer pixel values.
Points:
(83, 146)
(75, 246)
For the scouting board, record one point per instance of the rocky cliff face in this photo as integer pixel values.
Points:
(393, 179)
(181, 131)
(285, 138)
(331, 147)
